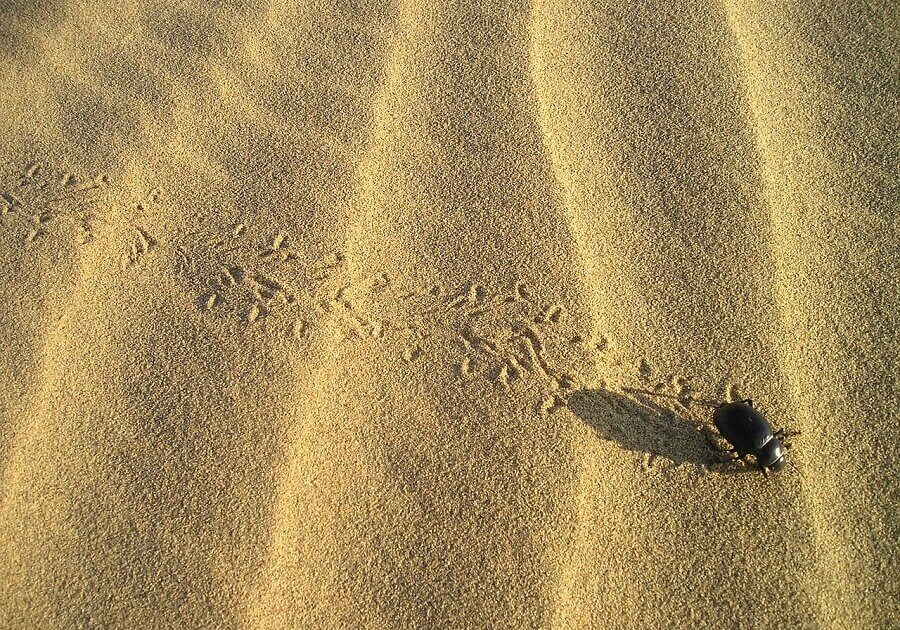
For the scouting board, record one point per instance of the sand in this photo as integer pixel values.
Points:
(383, 315)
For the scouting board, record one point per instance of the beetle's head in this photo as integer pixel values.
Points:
(772, 455)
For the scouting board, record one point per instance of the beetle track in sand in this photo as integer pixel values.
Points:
(265, 282)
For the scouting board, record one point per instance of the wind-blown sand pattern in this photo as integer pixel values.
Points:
(402, 314)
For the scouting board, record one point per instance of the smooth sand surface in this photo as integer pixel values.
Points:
(354, 314)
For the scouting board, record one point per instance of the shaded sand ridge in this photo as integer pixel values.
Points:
(395, 314)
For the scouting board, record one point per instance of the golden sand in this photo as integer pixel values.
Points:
(346, 316)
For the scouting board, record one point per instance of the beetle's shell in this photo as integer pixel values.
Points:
(743, 426)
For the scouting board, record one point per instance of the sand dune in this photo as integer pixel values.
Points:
(352, 315)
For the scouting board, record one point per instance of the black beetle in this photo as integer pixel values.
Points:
(749, 433)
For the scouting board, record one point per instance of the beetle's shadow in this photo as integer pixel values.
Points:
(639, 424)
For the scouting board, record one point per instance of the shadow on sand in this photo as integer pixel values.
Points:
(639, 424)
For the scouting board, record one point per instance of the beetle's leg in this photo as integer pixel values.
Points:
(734, 455)
(712, 442)
(718, 448)
(749, 401)
(724, 455)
